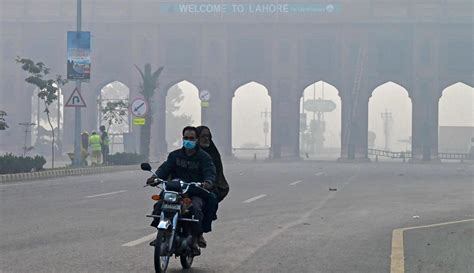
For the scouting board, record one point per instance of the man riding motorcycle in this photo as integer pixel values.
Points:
(190, 164)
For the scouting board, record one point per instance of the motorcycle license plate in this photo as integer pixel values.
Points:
(171, 207)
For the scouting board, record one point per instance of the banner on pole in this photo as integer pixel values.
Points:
(79, 55)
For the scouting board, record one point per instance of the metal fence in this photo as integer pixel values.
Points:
(405, 155)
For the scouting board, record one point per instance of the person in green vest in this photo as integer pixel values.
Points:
(104, 143)
(94, 143)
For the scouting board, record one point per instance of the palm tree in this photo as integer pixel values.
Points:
(147, 88)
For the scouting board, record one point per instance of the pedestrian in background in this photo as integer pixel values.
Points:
(94, 143)
(104, 144)
(84, 147)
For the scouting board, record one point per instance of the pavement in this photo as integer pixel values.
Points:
(443, 248)
(279, 217)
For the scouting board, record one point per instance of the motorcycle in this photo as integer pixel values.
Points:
(173, 236)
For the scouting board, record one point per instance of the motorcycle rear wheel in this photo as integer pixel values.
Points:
(186, 261)
(161, 262)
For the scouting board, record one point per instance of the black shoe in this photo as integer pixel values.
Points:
(195, 247)
(152, 243)
(202, 242)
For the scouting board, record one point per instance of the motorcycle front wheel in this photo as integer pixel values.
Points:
(161, 261)
(186, 261)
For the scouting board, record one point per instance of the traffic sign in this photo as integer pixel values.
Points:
(138, 121)
(319, 105)
(204, 95)
(204, 104)
(75, 100)
(139, 107)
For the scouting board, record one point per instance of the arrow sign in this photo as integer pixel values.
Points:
(204, 95)
(75, 100)
(139, 107)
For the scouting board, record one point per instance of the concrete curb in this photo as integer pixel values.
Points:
(5, 178)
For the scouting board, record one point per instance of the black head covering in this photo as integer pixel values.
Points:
(221, 185)
(212, 150)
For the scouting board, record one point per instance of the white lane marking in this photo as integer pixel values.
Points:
(296, 182)
(254, 198)
(141, 240)
(104, 194)
(318, 174)
(397, 258)
(261, 242)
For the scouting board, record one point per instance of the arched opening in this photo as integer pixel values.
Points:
(251, 121)
(320, 121)
(390, 117)
(456, 119)
(113, 113)
(183, 108)
(40, 132)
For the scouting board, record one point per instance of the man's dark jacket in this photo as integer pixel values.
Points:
(196, 168)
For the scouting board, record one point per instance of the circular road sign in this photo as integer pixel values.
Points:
(204, 95)
(139, 107)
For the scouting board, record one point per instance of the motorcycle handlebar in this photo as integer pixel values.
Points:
(159, 181)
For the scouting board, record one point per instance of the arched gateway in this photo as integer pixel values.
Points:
(286, 46)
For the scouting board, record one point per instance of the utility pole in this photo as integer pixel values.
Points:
(27, 130)
(266, 127)
(387, 127)
(60, 139)
(77, 111)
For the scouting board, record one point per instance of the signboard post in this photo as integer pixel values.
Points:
(78, 69)
(204, 96)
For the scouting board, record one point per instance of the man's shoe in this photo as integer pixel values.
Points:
(202, 242)
(195, 250)
(152, 243)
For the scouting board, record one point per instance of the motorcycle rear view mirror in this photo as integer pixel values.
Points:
(145, 166)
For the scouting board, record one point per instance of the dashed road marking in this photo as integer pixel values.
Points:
(296, 182)
(141, 240)
(397, 257)
(254, 198)
(104, 194)
(318, 174)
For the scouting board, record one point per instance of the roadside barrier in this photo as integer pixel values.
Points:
(4, 178)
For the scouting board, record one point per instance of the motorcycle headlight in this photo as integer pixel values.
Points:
(170, 197)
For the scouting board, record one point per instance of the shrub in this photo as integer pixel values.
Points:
(10, 163)
(126, 159)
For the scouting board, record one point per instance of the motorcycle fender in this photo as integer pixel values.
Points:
(164, 224)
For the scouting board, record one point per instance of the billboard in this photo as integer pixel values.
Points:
(79, 55)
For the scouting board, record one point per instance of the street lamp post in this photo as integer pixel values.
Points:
(77, 111)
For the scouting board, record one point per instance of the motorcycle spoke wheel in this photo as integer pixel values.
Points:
(161, 261)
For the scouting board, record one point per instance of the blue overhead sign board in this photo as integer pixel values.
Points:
(248, 8)
(78, 55)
